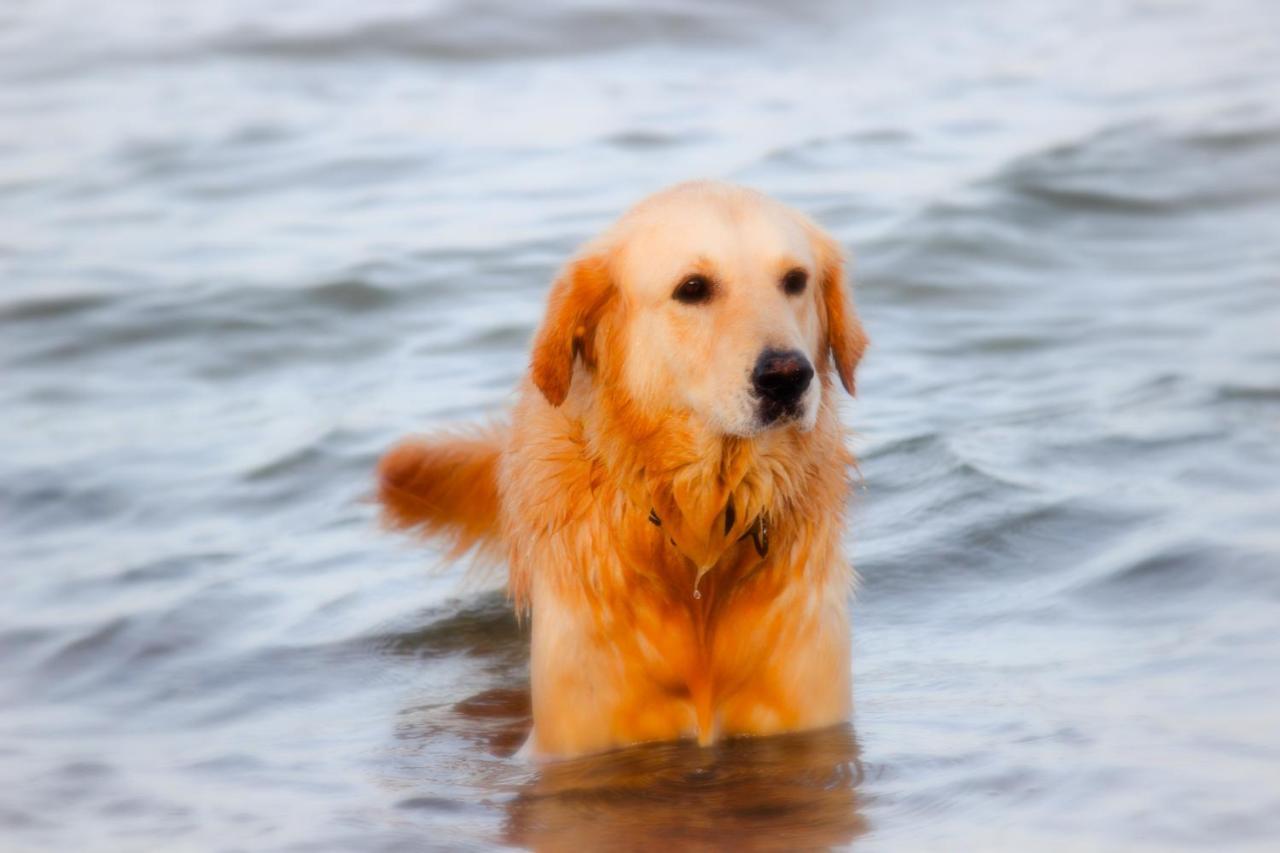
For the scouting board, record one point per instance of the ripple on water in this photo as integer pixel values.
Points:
(1150, 573)
(455, 33)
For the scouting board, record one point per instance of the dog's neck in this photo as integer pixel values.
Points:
(707, 491)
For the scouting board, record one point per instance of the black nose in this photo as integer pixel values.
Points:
(781, 376)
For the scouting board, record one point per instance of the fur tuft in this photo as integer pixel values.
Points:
(445, 486)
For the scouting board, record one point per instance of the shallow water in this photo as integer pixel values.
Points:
(243, 250)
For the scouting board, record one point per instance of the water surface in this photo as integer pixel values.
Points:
(243, 249)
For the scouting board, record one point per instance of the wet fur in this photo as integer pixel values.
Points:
(623, 649)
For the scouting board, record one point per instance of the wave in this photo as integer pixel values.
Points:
(53, 330)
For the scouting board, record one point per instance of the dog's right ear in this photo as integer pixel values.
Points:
(577, 301)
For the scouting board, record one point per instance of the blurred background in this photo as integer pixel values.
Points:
(245, 246)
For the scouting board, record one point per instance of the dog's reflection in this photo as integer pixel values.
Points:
(787, 792)
(796, 791)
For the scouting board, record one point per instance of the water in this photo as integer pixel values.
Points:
(243, 249)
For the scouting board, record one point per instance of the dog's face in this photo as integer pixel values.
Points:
(719, 302)
(723, 316)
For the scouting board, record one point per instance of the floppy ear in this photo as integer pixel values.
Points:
(577, 300)
(845, 335)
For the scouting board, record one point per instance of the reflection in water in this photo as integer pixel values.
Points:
(788, 792)
(500, 718)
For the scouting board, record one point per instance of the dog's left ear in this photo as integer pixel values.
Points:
(577, 300)
(845, 335)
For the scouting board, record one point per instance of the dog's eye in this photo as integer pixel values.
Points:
(794, 282)
(693, 290)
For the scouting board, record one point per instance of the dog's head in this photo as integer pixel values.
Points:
(707, 299)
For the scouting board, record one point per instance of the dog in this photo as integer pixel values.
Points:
(670, 491)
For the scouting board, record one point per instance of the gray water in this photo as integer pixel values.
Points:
(245, 246)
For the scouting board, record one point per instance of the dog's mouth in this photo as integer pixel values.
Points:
(771, 413)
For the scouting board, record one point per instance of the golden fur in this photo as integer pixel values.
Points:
(684, 624)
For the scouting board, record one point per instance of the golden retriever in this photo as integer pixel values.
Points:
(670, 493)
